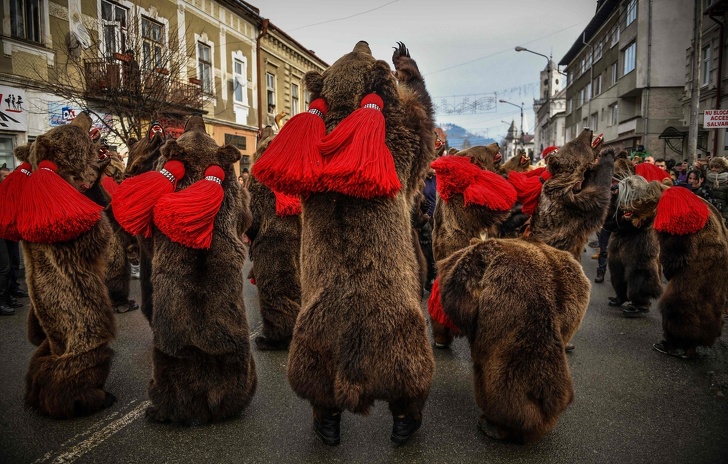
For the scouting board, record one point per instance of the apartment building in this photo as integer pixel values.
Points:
(711, 83)
(624, 77)
(131, 61)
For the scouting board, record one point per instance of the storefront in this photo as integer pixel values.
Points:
(13, 123)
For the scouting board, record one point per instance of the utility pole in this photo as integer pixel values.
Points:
(695, 85)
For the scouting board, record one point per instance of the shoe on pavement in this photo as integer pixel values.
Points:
(569, 347)
(6, 310)
(600, 276)
(635, 311)
(595, 255)
(614, 301)
(662, 347)
(403, 428)
(135, 273)
(12, 302)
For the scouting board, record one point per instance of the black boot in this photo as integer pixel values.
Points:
(403, 429)
(328, 428)
(6, 310)
(12, 302)
(600, 276)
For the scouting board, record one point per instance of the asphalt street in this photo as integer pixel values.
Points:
(632, 405)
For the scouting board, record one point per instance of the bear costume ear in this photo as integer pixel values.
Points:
(40, 149)
(172, 150)
(314, 82)
(228, 155)
(22, 153)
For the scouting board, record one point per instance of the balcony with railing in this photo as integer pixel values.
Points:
(123, 81)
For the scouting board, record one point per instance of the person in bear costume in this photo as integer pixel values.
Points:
(633, 258)
(573, 202)
(458, 218)
(361, 335)
(693, 244)
(144, 155)
(275, 235)
(517, 338)
(203, 369)
(65, 251)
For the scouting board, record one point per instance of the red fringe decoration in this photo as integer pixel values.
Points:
(528, 187)
(680, 212)
(135, 198)
(292, 163)
(11, 189)
(51, 210)
(435, 309)
(287, 205)
(110, 185)
(360, 163)
(457, 174)
(187, 217)
(651, 172)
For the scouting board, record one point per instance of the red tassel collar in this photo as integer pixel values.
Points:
(680, 212)
(458, 175)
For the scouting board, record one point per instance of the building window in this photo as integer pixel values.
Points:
(588, 92)
(598, 51)
(6, 152)
(306, 98)
(594, 122)
(631, 12)
(113, 22)
(615, 35)
(628, 57)
(614, 71)
(705, 67)
(597, 85)
(568, 78)
(204, 66)
(295, 100)
(25, 20)
(613, 114)
(270, 84)
(239, 81)
(580, 100)
(152, 44)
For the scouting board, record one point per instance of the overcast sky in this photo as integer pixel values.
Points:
(463, 47)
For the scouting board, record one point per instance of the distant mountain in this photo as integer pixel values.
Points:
(460, 138)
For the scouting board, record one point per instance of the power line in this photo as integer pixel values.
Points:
(346, 17)
(500, 52)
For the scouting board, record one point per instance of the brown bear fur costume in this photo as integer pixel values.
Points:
(633, 258)
(71, 313)
(143, 157)
(455, 224)
(203, 367)
(361, 335)
(694, 298)
(519, 163)
(276, 251)
(517, 337)
(574, 200)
